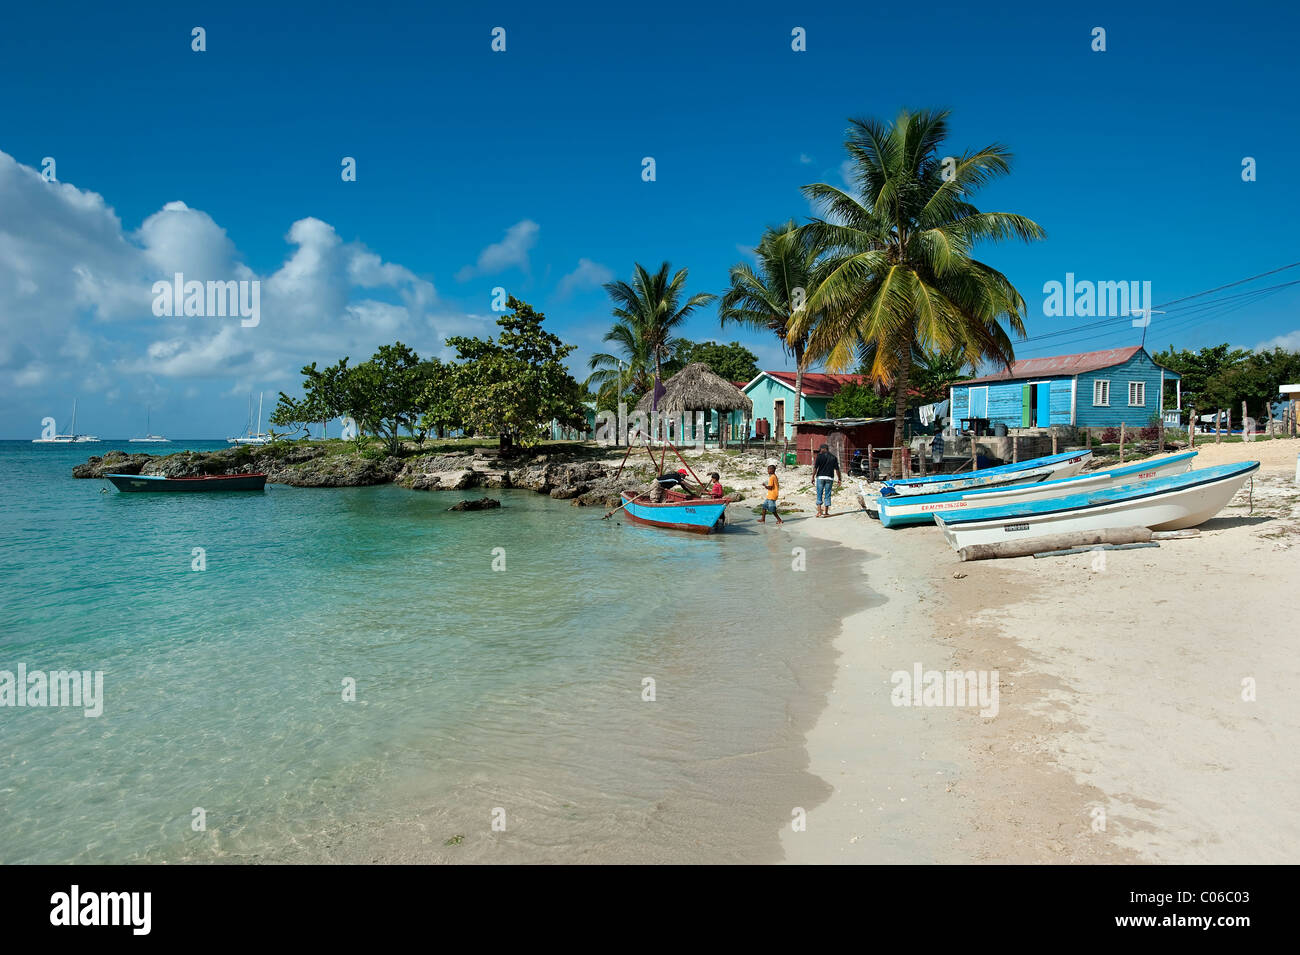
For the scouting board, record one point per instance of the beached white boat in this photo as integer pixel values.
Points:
(1162, 503)
(908, 509)
(1047, 468)
(72, 437)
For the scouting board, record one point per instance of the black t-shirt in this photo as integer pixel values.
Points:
(825, 465)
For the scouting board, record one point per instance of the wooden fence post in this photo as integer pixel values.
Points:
(1121, 442)
(1244, 416)
(1087, 438)
(1191, 430)
(871, 450)
(1015, 448)
(1218, 425)
(922, 457)
(1053, 442)
(974, 457)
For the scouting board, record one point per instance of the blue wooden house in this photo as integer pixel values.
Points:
(1100, 389)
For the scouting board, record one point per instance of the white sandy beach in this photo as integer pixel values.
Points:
(1122, 734)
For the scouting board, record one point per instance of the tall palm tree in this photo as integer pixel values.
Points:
(768, 298)
(898, 277)
(631, 350)
(650, 310)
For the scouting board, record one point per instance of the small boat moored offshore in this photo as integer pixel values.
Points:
(1162, 503)
(202, 482)
(701, 515)
(922, 508)
(1066, 464)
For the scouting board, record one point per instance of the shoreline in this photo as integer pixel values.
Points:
(1121, 735)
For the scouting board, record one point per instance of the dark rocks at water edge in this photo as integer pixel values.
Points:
(482, 504)
(294, 464)
(313, 465)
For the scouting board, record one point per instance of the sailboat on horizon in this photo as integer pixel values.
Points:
(72, 437)
(247, 437)
(149, 436)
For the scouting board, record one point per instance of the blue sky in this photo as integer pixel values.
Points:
(522, 169)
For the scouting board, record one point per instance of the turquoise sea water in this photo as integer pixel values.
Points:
(482, 695)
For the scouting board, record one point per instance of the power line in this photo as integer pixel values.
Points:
(1201, 310)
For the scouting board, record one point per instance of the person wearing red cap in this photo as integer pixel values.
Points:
(667, 480)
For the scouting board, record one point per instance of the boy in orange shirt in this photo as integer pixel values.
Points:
(773, 492)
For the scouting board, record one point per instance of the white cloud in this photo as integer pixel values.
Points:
(1289, 340)
(510, 252)
(805, 159)
(588, 274)
(847, 170)
(76, 297)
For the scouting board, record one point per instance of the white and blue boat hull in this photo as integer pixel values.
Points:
(910, 509)
(1163, 504)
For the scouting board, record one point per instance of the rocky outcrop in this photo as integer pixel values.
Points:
(482, 504)
(302, 464)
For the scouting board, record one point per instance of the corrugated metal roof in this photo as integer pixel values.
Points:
(842, 422)
(816, 384)
(1059, 365)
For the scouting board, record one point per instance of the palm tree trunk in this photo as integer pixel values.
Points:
(798, 384)
(900, 410)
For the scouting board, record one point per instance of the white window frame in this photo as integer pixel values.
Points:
(1142, 388)
(1095, 383)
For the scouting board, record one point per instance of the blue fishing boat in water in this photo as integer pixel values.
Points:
(700, 515)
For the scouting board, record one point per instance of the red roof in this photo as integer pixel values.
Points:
(1061, 365)
(816, 384)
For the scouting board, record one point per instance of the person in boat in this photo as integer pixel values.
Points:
(665, 481)
(715, 489)
(826, 469)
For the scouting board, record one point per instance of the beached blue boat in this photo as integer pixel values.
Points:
(201, 482)
(903, 510)
(1046, 468)
(1162, 503)
(698, 515)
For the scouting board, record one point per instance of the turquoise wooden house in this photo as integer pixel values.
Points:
(774, 400)
(1100, 389)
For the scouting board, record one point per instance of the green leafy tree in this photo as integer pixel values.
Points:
(439, 402)
(291, 413)
(1204, 374)
(516, 385)
(1222, 377)
(899, 275)
(859, 401)
(733, 362)
(768, 297)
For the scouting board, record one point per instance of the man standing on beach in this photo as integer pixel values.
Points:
(826, 468)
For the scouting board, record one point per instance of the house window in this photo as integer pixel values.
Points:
(1137, 394)
(1101, 394)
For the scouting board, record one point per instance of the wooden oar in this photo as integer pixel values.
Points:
(620, 507)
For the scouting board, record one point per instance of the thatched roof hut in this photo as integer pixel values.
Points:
(697, 388)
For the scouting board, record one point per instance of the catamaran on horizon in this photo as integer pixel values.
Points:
(246, 437)
(72, 437)
(149, 436)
